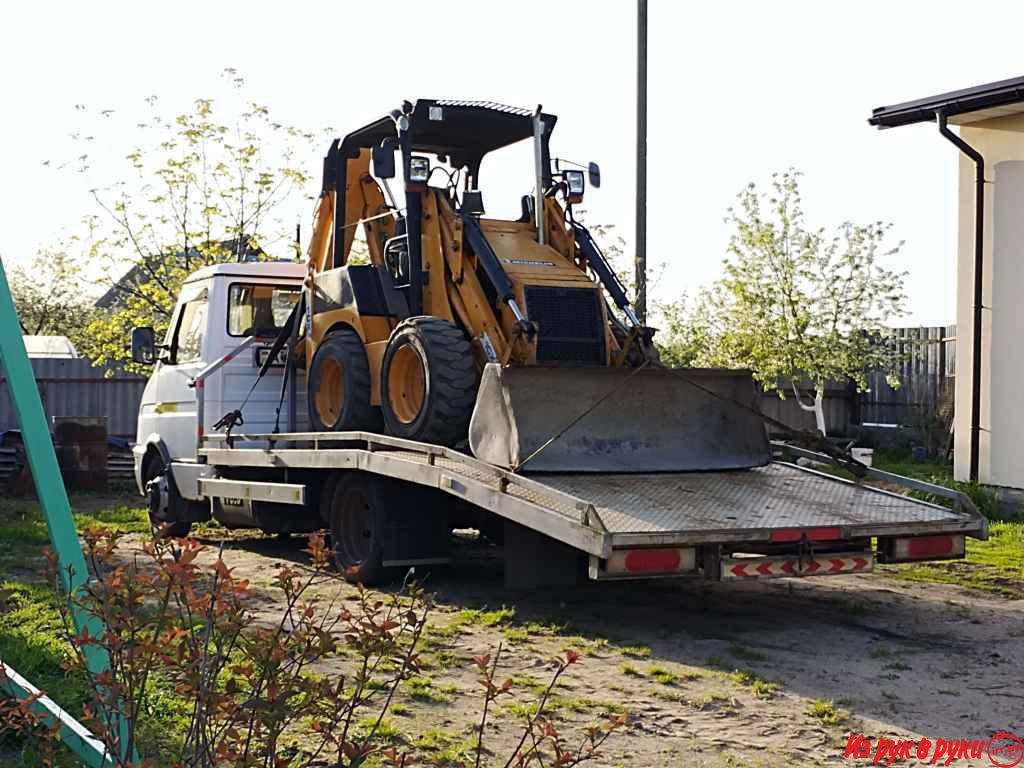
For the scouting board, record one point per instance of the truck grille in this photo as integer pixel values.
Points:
(571, 330)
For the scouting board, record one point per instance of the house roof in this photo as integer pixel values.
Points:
(138, 274)
(968, 105)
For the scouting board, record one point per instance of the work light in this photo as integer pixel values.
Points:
(419, 169)
(574, 185)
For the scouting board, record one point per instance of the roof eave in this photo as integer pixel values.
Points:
(959, 103)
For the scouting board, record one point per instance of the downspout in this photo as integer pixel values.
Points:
(979, 265)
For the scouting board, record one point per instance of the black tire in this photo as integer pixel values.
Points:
(338, 385)
(356, 519)
(162, 529)
(437, 408)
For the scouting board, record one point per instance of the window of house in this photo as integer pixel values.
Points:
(259, 309)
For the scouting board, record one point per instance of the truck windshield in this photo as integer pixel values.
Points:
(259, 308)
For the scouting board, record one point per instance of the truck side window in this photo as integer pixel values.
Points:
(188, 337)
(259, 308)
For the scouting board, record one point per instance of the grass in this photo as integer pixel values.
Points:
(662, 675)
(31, 630)
(422, 688)
(629, 670)
(635, 651)
(446, 748)
(826, 712)
(995, 566)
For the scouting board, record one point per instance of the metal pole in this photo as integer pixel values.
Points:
(538, 165)
(640, 305)
(60, 524)
(979, 284)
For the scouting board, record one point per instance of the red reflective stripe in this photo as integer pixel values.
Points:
(812, 566)
(653, 560)
(859, 562)
(789, 534)
(813, 534)
(929, 546)
(765, 569)
(824, 534)
(787, 567)
(837, 566)
(739, 569)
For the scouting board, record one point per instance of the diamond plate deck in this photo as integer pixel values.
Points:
(776, 496)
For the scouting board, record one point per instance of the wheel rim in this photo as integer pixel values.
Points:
(353, 539)
(330, 392)
(407, 384)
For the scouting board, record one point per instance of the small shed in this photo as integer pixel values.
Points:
(989, 404)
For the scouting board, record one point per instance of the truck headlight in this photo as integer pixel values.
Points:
(419, 169)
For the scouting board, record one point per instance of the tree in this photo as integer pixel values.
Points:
(207, 186)
(795, 303)
(48, 296)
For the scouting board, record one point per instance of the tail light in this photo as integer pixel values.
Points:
(923, 548)
(648, 562)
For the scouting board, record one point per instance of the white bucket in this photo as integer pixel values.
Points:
(863, 455)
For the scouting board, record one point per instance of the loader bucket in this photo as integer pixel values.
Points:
(650, 420)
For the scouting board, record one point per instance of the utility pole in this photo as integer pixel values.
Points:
(640, 304)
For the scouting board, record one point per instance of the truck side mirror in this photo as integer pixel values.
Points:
(143, 346)
(384, 159)
(594, 172)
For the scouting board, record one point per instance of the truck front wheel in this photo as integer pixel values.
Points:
(163, 501)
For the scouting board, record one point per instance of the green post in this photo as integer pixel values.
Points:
(53, 497)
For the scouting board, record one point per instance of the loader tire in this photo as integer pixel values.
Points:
(428, 382)
(339, 385)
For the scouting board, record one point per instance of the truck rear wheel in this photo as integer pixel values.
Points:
(339, 385)
(357, 522)
(428, 382)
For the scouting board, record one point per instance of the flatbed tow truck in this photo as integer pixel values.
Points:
(475, 374)
(402, 498)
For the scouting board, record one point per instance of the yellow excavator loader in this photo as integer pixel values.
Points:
(499, 333)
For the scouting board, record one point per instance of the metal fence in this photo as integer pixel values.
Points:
(73, 387)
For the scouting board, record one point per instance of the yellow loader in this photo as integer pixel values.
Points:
(511, 335)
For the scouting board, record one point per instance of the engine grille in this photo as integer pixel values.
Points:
(571, 330)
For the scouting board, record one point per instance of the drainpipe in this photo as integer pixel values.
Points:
(979, 265)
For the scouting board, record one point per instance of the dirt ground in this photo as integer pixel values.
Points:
(773, 673)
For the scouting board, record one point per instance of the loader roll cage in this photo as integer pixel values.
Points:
(461, 132)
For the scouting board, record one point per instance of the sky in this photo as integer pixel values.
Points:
(737, 90)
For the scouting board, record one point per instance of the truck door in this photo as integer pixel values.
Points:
(260, 308)
(175, 399)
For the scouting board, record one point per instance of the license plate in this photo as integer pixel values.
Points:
(260, 356)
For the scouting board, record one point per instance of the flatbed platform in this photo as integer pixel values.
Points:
(600, 513)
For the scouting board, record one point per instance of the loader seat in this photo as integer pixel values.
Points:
(528, 204)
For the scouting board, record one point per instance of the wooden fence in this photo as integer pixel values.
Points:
(926, 380)
(926, 385)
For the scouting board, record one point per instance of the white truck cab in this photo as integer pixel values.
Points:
(219, 307)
